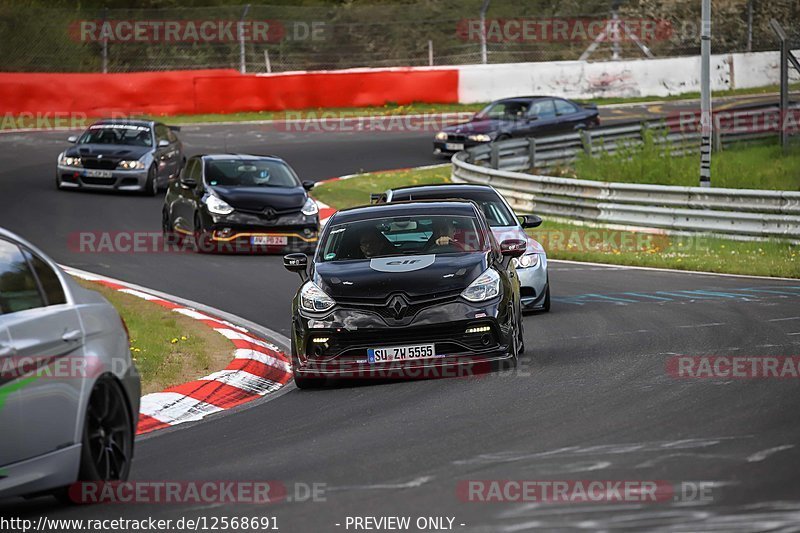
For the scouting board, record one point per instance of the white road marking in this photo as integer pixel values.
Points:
(710, 324)
(763, 454)
(782, 319)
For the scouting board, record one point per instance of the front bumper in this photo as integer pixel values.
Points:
(349, 333)
(450, 147)
(120, 180)
(235, 232)
(533, 284)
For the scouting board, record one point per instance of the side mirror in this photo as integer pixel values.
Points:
(530, 221)
(163, 143)
(187, 182)
(297, 263)
(72, 139)
(308, 185)
(513, 247)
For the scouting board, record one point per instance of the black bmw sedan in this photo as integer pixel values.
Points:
(524, 116)
(241, 203)
(405, 290)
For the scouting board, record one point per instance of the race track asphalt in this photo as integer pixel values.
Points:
(591, 398)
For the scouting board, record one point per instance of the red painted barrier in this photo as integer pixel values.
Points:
(168, 93)
(219, 91)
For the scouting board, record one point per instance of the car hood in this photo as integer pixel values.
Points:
(510, 232)
(415, 275)
(478, 126)
(257, 198)
(116, 151)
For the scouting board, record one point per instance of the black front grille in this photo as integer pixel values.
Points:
(399, 307)
(447, 338)
(88, 180)
(273, 213)
(99, 164)
(456, 137)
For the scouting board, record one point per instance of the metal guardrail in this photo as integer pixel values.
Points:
(680, 133)
(743, 212)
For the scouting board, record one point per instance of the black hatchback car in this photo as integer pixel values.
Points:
(528, 116)
(405, 290)
(241, 203)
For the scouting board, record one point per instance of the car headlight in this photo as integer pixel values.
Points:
(69, 161)
(480, 138)
(314, 299)
(485, 287)
(527, 261)
(441, 136)
(131, 165)
(218, 206)
(310, 207)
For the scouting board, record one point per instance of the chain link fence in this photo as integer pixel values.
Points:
(264, 38)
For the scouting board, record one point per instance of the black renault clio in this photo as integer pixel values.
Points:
(241, 203)
(395, 290)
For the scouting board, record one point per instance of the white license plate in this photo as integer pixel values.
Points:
(456, 147)
(268, 240)
(401, 353)
(98, 173)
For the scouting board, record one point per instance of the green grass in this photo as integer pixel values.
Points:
(168, 348)
(743, 167)
(599, 244)
(351, 192)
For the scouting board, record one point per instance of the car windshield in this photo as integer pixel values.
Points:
(125, 134)
(250, 173)
(512, 110)
(494, 209)
(405, 235)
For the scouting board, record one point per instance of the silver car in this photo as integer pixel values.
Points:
(122, 155)
(69, 391)
(531, 267)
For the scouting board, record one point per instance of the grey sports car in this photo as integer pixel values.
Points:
(69, 391)
(121, 155)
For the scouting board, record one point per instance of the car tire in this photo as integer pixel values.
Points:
(503, 137)
(546, 303)
(151, 185)
(170, 236)
(107, 438)
(308, 383)
(202, 242)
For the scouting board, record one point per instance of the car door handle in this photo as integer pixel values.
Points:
(72, 336)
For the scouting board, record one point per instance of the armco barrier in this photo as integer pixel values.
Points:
(741, 212)
(220, 91)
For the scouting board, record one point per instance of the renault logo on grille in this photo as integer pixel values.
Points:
(398, 306)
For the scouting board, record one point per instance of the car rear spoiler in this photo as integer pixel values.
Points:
(590, 105)
(375, 197)
(174, 128)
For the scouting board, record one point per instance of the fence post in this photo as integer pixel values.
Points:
(105, 43)
(242, 63)
(430, 53)
(586, 140)
(531, 152)
(494, 158)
